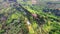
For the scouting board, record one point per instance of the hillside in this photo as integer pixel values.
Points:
(21, 18)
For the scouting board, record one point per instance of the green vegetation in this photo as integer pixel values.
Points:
(20, 20)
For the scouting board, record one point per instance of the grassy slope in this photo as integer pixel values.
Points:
(51, 26)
